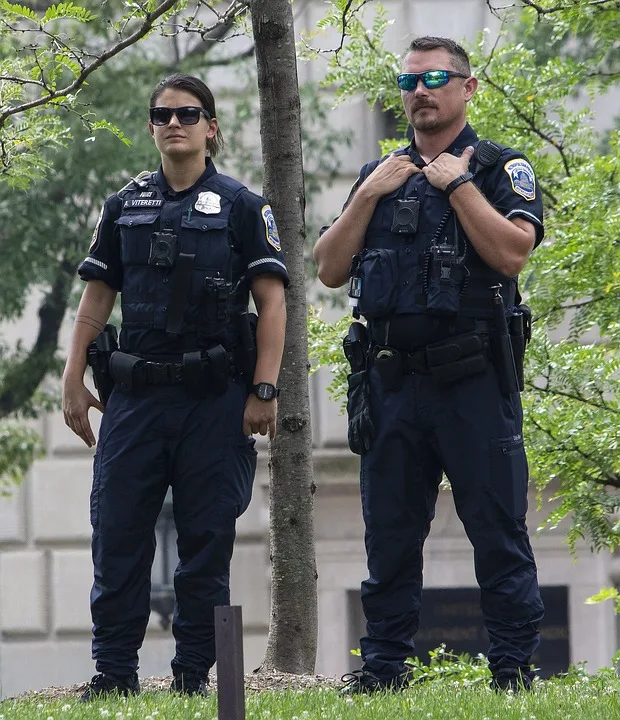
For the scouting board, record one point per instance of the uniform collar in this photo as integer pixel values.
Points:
(171, 194)
(466, 137)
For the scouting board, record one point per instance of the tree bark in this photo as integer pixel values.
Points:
(291, 645)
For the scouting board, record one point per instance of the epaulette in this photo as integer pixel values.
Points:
(140, 180)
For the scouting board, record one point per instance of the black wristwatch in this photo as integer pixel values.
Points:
(452, 186)
(265, 391)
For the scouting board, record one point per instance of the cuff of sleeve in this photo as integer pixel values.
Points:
(94, 269)
(268, 265)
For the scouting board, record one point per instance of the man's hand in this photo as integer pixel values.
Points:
(260, 416)
(76, 402)
(390, 175)
(445, 168)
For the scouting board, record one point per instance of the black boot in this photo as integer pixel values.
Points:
(515, 681)
(190, 683)
(364, 682)
(106, 684)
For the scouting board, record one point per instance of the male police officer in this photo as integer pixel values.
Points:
(431, 229)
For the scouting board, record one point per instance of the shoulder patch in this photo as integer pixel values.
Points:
(271, 230)
(522, 178)
(96, 231)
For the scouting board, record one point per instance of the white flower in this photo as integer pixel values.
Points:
(64, 708)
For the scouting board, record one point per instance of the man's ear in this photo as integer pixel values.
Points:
(150, 127)
(470, 85)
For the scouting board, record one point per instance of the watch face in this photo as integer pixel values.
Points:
(265, 391)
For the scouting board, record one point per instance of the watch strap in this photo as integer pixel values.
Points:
(452, 186)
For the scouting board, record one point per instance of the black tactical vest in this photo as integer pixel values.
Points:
(196, 225)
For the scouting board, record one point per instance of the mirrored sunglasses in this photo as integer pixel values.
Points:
(188, 115)
(431, 79)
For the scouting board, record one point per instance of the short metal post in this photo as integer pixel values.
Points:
(229, 657)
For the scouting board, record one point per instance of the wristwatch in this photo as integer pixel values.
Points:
(265, 391)
(452, 186)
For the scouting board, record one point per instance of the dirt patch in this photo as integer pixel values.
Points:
(254, 682)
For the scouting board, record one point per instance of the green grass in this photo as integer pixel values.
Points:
(579, 697)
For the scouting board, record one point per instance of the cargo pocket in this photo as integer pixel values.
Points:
(509, 475)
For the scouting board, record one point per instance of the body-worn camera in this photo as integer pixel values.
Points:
(164, 249)
(406, 215)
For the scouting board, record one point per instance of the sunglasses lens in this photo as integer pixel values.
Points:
(435, 78)
(188, 115)
(407, 82)
(160, 115)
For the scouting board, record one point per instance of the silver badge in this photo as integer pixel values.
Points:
(208, 203)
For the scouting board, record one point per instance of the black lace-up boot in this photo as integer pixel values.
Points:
(107, 684)
(364, 682)
(190, 683)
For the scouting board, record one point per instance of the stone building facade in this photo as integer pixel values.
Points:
(45, 564)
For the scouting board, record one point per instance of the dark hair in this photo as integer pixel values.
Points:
(458, 56)
(196, 87)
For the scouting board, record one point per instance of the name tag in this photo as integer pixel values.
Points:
(143, 203)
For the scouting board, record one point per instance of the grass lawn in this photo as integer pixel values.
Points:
(580, 697)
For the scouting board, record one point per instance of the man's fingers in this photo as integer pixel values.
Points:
(272, 429)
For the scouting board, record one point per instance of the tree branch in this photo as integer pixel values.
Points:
(530, 123)
(143, 30)
(578, 398)
(548, 11)
(608, 480)
(23, 378)
(571, 306)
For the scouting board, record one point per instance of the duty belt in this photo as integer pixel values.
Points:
(198, 371)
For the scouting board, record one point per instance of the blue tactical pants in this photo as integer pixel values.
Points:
(148, 441)
(472, 432)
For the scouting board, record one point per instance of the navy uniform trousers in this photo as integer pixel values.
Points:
(148, 441)
(472, 432)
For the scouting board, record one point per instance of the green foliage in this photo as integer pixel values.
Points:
(608, 593)
(45, 60)
(325, 348)
(20, 446)
(572, 282)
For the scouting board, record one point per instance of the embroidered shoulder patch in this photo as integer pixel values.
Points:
(95, 232)
(271, 230)
(522, 178)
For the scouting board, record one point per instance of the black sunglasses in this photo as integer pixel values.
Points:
(431, 79)
(187, 115)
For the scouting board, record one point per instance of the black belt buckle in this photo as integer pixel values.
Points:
(158, 373)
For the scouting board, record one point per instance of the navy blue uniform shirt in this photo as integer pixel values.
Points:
(251, 230)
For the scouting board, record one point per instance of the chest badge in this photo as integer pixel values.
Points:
(208, 203)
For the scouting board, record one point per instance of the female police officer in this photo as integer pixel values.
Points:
(183, 246)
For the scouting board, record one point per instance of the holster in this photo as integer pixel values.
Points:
(520, 329)
(98, 356)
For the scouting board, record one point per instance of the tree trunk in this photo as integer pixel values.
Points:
(291, 645)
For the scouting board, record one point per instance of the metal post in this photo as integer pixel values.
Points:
(229, 657)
